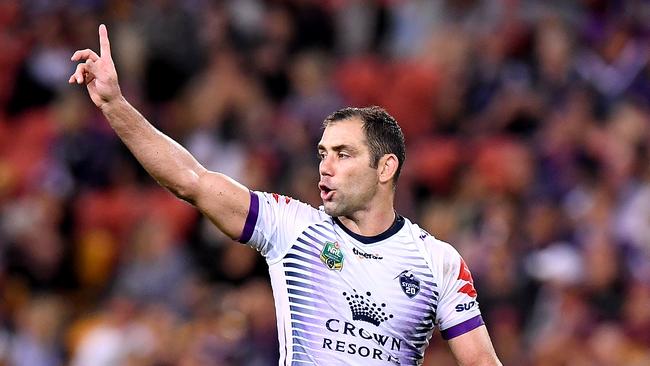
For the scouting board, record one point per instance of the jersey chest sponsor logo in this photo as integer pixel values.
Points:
(364, 255)
(332, 255)
(409, 283)
(381, 347)
(364, 308)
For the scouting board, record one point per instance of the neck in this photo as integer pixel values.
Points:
(372, 221)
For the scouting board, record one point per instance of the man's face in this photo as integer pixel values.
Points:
(347, 181)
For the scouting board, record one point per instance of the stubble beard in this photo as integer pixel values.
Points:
(333, 209)
(350, 203)
(344, 206)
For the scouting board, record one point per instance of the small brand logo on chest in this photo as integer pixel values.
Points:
(364, 255)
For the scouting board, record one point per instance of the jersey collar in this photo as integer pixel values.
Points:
(397, 225)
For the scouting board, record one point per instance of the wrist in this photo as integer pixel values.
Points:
(112, 105)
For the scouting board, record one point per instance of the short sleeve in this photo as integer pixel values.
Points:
(458, 310)
(273, 222)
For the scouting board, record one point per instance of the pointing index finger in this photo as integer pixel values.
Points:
(104, 44)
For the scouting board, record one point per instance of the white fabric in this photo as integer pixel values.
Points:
(362, 314)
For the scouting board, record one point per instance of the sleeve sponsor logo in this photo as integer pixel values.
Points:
(466, 306)
(466, 275)
(277, 198)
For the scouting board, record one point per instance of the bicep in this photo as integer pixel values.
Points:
(224, 201)
(474, 348)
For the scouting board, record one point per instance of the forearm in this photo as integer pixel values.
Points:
(171, 165)
(220, 198)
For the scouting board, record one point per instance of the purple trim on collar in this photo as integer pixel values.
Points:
(251, 219)
(462, 328)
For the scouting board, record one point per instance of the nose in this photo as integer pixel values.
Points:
(325, 167)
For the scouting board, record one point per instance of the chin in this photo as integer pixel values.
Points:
(328, 209)
(331, 209)
(336, 210)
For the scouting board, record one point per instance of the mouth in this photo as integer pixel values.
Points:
(326, 193)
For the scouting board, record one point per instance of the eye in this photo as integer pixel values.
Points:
(343, 155)
(320, 155)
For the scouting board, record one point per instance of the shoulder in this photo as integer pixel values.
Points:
(275, 221)
(277, 200)
(275, 209)
(429, 241)
(441, 254)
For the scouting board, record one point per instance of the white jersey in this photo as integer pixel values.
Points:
(346, 299)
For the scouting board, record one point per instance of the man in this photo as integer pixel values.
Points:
(354, 283)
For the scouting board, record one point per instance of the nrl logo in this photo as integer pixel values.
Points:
(332, 256)
(409, 283)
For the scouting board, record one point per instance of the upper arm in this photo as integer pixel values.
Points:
(474, 348)
(266, 221)
(224, 201)
(458, 316)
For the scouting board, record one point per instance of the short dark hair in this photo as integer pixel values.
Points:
(382, 132)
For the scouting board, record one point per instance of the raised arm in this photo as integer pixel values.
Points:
(224, 201)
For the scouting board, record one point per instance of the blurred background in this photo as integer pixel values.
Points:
(528, 132)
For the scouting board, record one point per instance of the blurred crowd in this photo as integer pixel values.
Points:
(528, 132)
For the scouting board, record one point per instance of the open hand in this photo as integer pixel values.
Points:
(97, 72)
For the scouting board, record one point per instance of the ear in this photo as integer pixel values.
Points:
(387, 167)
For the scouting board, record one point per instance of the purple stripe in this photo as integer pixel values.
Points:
(327, 237)
(462, 328)
(251, 219)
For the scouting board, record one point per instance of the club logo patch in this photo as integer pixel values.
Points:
(409, 283)
(332, 256)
